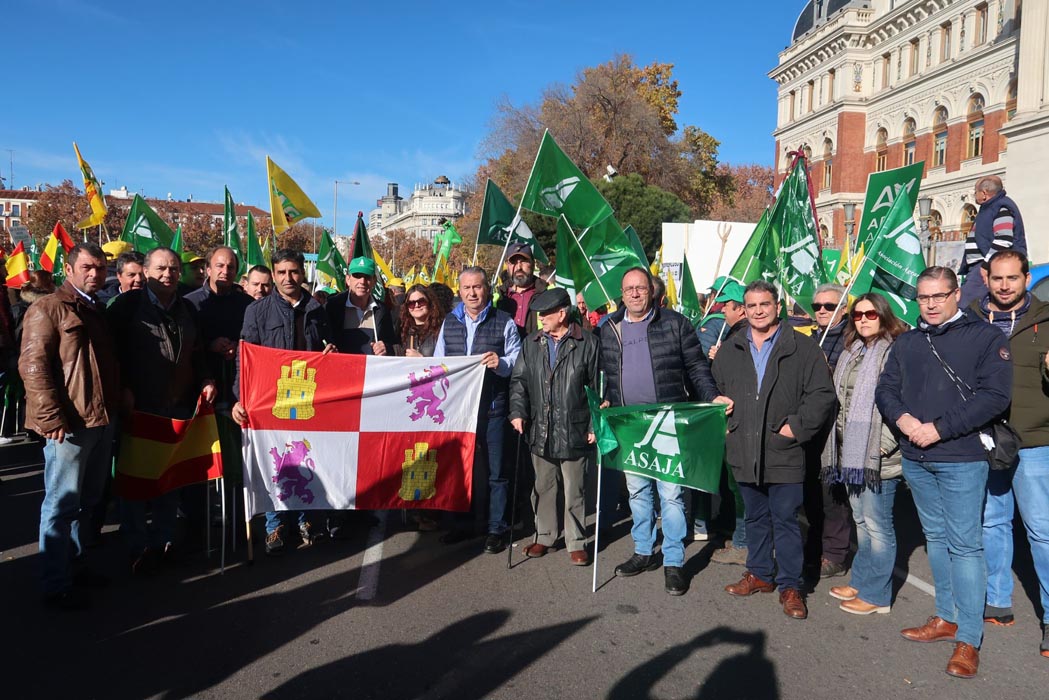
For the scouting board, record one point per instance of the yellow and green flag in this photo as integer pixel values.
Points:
(288, 203)
(93, 192)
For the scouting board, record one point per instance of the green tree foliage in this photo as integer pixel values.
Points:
(645, 207)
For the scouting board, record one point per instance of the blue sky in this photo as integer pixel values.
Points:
(187, 97)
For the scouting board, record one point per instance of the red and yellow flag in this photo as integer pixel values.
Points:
(158, 454)
(51, 253)
(93, 191)
(17, 265)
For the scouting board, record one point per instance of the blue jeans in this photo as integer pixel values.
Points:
(275, 518)
(949, 497)
(133, 522)
(772, 525)
(74, 479)
(672, 508)
(488, 505)
(876, 540)
(1030, 489)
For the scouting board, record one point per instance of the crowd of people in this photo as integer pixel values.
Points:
(826, 422)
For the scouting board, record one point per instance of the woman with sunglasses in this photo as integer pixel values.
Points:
(421, 321)
(863, 454)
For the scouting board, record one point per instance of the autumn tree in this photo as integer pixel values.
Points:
(751, 193)
(67, 203)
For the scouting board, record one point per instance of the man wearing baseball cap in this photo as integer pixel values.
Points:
(521, 286)
(361, 324)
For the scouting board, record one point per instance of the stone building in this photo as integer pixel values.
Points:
(421, 212)
(869, 85)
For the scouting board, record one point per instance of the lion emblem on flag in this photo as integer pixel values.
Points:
(428, 392)
(293, 471)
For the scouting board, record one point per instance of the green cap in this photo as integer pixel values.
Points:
(362, 265)
(188, 258)
(732, 291)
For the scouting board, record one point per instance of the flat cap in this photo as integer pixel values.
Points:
(551, 300)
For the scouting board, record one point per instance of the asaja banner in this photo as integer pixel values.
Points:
(338, 432)
(882, 190)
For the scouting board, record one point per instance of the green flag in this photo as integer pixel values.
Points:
(330, 262)
(678, 443)
(635, 243)
(895, 260)
(34, 255)
(794, 227)
(499, 220)
(758, 258)
(230, 234)
(144, 229)
(255, 254)
(689, 305)
(882, 189)
(594, 262)
(556, 186)
(176, 244)
(362, 248)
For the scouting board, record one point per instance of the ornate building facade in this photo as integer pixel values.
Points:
(869, 85)
(422, 211)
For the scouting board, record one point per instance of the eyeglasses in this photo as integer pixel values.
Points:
(869, 314)
(826, 307)
(640, 290)
(416, 303)
(361, 276)
(935, 298)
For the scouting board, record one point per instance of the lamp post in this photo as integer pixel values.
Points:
(924, 214)
(850, 220)
(335, 215)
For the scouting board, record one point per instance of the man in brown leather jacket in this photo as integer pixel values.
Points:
(72, 396)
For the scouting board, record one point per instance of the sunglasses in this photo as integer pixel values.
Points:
(826, 307)
(870, 315)
(361, 276)
(416, 303)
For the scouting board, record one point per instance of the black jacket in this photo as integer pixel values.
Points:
(219, 316)
(270, 321)
(915, 382)
(553, 401)
(797, 390)
(679, 367)
(358, 341)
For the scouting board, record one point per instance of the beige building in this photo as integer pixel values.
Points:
(422, 211)
(868, 85)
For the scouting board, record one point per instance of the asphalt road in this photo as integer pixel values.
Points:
(392, 613)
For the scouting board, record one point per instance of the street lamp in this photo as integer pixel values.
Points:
(925, 213)
(850, 219)
(335, 216)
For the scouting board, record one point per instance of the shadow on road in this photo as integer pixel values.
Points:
(748, 674)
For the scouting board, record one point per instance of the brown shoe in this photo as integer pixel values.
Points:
(935, 629)
(793, 604)
(535, 550)
(843, 592)
(749, 585)
(964, 661)
(862, 607)
(579, 558)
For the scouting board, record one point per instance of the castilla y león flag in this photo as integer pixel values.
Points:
(357, 431)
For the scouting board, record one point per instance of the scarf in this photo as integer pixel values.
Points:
(856, 462)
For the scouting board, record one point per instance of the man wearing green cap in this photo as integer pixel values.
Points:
(193, 275)
(718, 325)
(361, 325)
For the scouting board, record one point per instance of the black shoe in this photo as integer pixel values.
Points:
(635, 565)
(493, 544)
(676, 582)
(73, 599)
(309, 534)
(86, 578)
(275, 542)
(1003, 617)
(456, 536)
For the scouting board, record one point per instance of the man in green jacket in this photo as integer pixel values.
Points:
(1018, 314)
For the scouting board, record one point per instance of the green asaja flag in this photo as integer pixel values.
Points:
(882, 190)
(556, 186)
(895, 260)
(635, 243)
(758, 259)
(500, 220)
(256, 256)
(596, 260)
(679, 443)
(794, 227)
(689, 303)
(144, 229)
(362, 248)
(230, 233)
(330, 262)
(176, 244)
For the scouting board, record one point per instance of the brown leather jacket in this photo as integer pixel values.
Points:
(68, 364)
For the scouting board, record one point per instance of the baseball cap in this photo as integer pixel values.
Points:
(362, 265)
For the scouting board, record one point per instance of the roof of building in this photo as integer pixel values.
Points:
(817, 12)
(19, 194)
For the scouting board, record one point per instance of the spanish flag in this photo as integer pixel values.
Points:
(93, 191)
(288, 203)
(158, 454)
(51, 253)
(17, 265)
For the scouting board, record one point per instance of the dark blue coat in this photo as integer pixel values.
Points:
(914, 382)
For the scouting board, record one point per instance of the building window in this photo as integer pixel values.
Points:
(909, 145)
(882, 150)
(939, 146)
(968, 219)
(828, 162)
(945, 42)
(811, 88)
(912, 68)
(16, 210)
(935, 224)
(974, 147)
(793, 106)
(980, 36)
(886, 60)
(1010, 101)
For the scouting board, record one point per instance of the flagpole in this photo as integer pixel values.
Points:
(597, 278)
(509, 234)
(245, 452)
(597, 504)
(844, 298)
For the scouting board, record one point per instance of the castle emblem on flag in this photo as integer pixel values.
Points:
(424, 396)
(295, 390)
(293, 471)
(419, 473)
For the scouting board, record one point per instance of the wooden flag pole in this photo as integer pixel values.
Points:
(597, 502)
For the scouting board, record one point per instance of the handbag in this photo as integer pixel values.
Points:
(1004, 443)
